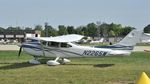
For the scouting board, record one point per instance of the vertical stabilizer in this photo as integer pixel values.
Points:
(131, 39)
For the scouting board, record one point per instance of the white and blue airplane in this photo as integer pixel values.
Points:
(62, 47)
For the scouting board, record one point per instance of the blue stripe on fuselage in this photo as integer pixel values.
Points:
(29, 46)
(33, 45)
(116, 47)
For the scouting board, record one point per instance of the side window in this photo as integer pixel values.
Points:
(65, 45)
(54, 44)
(49, 43)
(69, 45)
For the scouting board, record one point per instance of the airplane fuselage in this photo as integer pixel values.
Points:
(68, 50)
(63, 47)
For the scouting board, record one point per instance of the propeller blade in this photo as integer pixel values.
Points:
(20, 51)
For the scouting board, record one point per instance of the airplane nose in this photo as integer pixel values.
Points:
(23, 45)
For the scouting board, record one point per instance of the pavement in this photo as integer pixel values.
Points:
(141, 48)
(9, 47)
(16, 47)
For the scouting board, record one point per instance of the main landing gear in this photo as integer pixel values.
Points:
(34, 61)
(58, 61)
(55, 62)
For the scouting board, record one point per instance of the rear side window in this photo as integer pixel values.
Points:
(65, 45)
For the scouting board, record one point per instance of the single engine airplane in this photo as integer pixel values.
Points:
(62, 47)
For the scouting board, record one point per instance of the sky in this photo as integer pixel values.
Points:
(28, 13)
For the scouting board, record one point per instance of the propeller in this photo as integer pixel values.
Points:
(20, 51)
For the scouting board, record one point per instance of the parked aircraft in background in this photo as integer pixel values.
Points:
(146, 38)
(126, 44)
(62, 47)
(98, 41)
(2, 41)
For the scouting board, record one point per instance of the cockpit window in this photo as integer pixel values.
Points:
(57, 44)
(44, 43)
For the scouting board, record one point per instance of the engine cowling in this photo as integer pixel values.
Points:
(52, 63)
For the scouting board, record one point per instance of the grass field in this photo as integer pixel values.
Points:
(104, 70)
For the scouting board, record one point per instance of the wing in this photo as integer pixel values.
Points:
(64, 38)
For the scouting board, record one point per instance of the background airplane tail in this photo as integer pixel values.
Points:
(131, 39)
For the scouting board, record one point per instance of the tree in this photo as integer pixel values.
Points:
(2, 29)
(13, 28)
(147, 29)
(28, 28)
(104, 30)
(85, 31)
(52, 31)
(116, 28)
(79, 30)
(49, 31)
(111, 33)
(62, 30)
(71, 30)
(38, 27)
(92, 29)
(124, 31)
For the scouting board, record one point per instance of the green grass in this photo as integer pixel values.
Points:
(104, 70)
(143, 44)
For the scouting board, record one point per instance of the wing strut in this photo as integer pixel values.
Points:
(42, 46)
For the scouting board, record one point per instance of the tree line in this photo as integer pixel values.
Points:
(91, 29)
